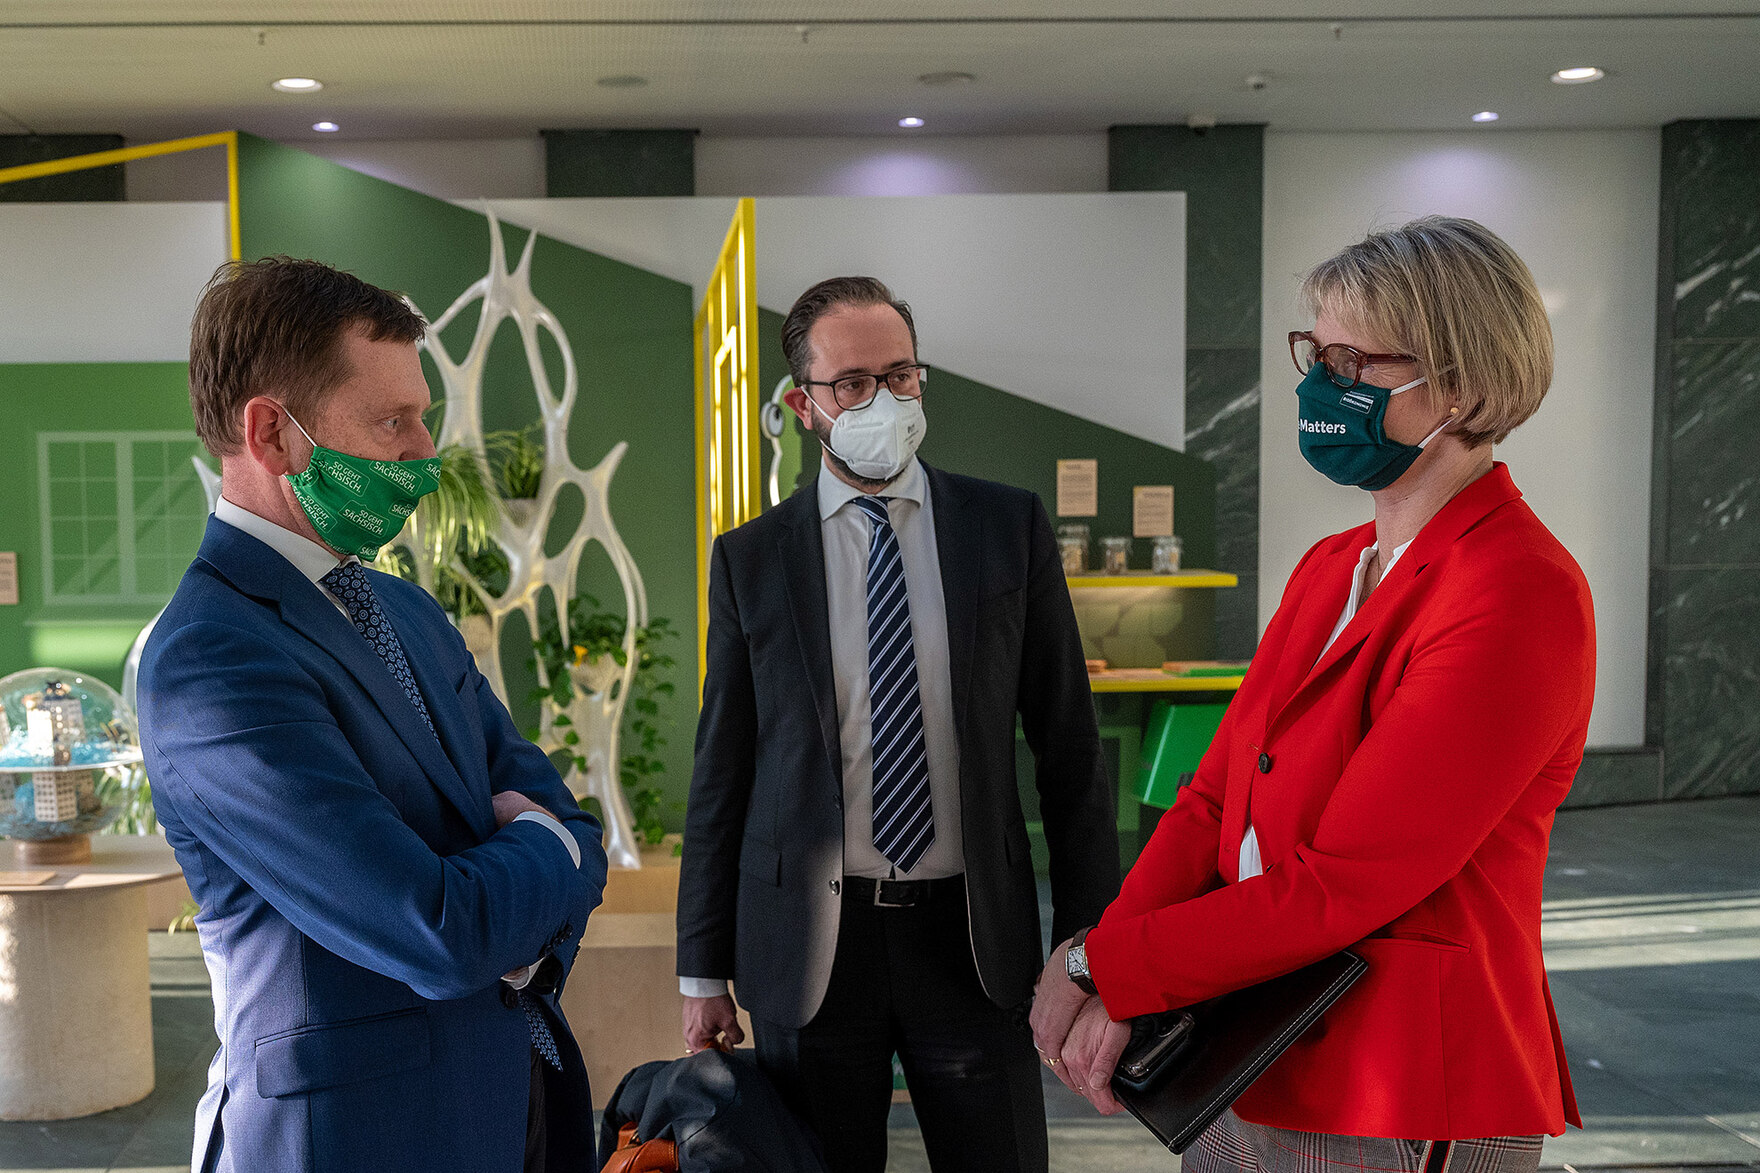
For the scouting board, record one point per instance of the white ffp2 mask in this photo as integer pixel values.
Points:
(878, 441)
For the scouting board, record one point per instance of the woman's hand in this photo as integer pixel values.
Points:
(1056, 1003)
(1090, 1055)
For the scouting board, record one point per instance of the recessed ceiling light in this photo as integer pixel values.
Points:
(947, 77)
(297, 85)
(621, 81)
(910, 123)
(1577, 75)
(1485, 116)
(325, 127)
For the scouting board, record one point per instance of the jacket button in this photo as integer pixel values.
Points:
(1264, 763)
(837, 887)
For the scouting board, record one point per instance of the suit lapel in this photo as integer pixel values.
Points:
(958, 538)
(261, 573)
(801, 554)
(443, 704)
(1470, 506)
(1318, 609)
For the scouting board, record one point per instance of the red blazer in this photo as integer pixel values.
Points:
(1403, 790)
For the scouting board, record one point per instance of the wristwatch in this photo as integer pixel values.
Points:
(1075, 964)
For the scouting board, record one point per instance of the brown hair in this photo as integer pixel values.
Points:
(1452, 293)
(820, 300)
(275, 327)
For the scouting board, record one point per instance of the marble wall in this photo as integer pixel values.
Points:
(1222, 172)
(1703, 697)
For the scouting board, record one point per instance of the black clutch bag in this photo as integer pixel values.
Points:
(1181, 1070)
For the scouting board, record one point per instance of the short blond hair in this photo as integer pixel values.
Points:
(1451, 292)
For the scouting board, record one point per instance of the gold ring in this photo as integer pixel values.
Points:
(1052, 1062)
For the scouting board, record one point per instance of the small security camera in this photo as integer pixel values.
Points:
(1256, 82)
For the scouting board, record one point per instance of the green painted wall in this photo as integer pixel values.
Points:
(74, 397)
(631, 334)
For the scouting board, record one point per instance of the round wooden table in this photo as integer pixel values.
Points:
(76, 1022)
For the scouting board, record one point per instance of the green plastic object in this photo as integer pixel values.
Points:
(1176, 739)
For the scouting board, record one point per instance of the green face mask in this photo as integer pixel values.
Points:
(357, 504)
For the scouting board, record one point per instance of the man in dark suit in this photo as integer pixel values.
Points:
(856, 858)
(392, 881)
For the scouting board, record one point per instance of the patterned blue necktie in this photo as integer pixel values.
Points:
(350, 585)
(904, 817)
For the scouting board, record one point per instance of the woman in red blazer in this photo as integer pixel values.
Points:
(1386, 778)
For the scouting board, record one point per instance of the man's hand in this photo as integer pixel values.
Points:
(1091, 1052)
(1056, 1003)
(510, 804)
(711, 1022)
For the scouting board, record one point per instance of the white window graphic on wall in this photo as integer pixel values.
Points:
(123, 514)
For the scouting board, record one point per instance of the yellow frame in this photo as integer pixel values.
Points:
(729, 464)
(227, 139)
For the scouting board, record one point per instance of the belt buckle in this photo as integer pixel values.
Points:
(880, 886)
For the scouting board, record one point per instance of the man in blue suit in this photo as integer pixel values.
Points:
(392, 881)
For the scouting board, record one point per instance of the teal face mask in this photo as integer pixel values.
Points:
(357, 504)
(1343, 431)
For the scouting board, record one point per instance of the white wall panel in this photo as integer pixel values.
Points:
(1074, 301)
(104, 282)
(1581, 208)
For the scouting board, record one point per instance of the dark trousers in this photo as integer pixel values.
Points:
(536, 1133)
(903, 983)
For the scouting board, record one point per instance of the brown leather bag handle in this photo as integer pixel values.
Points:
(638, 1156)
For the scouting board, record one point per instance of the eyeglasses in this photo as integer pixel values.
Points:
(854, 392)
(1344, 364)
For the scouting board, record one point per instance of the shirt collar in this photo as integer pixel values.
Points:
(307, 556)
(834, 492)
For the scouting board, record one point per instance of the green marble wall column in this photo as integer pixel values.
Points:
(98, 183)
(1703, 699)
(1221, 170)
(620, 162)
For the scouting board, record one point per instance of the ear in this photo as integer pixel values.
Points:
(804, 408)
(271, 440)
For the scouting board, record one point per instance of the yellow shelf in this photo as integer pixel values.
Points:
(1155, 680)
(1180, 578)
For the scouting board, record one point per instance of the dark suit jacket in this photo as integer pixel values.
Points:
(764, 830)
(358, 905)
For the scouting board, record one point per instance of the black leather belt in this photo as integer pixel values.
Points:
(901, 893)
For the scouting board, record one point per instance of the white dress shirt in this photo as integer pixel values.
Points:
(315, 561)
(1251, 864)
(847, 533)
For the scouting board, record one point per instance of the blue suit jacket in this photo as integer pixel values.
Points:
(358, 904)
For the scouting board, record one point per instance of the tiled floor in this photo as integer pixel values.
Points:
(1653, 939)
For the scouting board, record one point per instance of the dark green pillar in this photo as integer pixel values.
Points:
(1221, 170)
(97, 183)
(1703, 691)
(620, 162)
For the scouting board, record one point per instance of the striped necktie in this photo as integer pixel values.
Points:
(904, 818)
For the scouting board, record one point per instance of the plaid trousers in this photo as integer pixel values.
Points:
(1232, 1145)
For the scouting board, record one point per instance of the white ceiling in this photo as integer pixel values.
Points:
(477, 68)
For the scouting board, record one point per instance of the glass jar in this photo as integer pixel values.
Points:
(1166, 554)
(1116, 555)
(1072, 546)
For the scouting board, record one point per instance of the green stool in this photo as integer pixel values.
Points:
(1176, 739)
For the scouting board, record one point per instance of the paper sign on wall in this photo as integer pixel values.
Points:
(1152, 511)
(1078, 488)
(8, 577)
